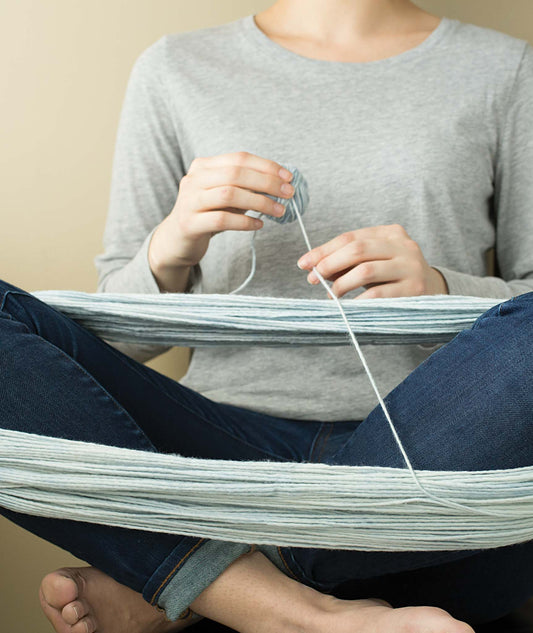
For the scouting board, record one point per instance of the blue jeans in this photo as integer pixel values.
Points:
(469, 406)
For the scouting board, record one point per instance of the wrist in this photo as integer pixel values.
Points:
(438, 285)
(170, 277)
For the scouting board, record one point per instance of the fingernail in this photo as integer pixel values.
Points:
(286, 188)
(312, 278)
(302, 263)
(285, 173)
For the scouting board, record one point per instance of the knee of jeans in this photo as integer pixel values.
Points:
(6, 289)
(488, 314)
(519, 305)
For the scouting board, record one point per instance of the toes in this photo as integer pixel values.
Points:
(431, 619)
(53, 616)
(74, 611)
(85, 625)
(59, 594)
(59, 588)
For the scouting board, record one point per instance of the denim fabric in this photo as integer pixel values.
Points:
(468, 406)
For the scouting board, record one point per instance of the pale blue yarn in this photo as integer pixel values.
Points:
(297, 203)
(302, 505)
(207, 320)
(272, 503)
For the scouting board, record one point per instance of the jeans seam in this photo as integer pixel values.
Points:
(286, 565)
(324, 443)
(301, 576)
(188, 612)
(314, 442)
(176, 568)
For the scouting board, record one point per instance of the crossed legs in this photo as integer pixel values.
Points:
(60, 380)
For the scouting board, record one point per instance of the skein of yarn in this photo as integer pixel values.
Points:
(291, 504)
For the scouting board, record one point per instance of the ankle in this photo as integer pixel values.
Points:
(311, 611)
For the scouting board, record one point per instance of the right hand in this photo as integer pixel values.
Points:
(213, 197)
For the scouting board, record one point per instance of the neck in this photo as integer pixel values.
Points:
(338, 21)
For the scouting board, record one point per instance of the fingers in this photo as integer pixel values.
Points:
(375, 272)
(236, 180)
(218, 221)
(213, 197)
(216, 198)
(384, 291)
(357, 239)
(243, 159)
(354, 253)
(383, 259)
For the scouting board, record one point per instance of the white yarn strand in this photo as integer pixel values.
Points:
(370, 377)
(252, 270)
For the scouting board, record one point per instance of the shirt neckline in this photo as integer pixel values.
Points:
(252, 31)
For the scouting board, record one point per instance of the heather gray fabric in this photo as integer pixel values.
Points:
(438, 138)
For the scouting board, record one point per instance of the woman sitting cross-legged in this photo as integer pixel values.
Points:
(415, 134)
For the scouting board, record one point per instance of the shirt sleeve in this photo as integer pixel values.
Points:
(513, 197)
(147, 169)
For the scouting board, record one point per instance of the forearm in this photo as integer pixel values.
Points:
(471, 285)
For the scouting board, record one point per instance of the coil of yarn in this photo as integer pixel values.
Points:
(300, 199)
(297, 203)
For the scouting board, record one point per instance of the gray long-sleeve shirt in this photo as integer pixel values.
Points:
(438, 139)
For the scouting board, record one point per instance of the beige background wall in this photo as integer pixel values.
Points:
(64, 65)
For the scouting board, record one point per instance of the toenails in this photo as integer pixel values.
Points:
(74, 611)
(85, 625)
(59, 588)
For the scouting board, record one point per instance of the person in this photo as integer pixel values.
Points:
(415, 135)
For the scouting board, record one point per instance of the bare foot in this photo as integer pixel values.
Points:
(254, 596)
(85, 600)
(377, 616)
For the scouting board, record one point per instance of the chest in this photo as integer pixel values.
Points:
(372, 153)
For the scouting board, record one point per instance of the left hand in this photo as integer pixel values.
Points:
(383, 259)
